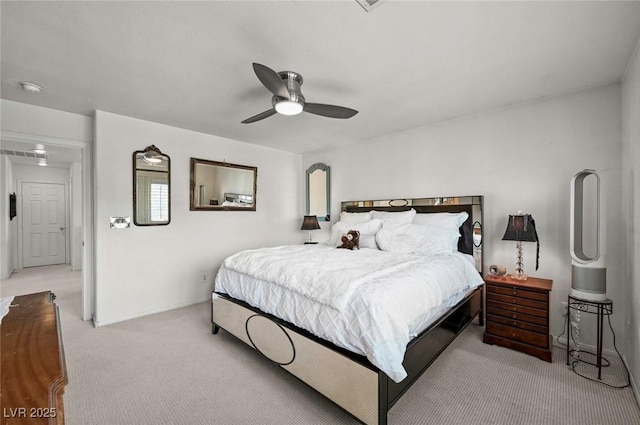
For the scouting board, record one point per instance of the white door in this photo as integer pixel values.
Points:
(43, 224)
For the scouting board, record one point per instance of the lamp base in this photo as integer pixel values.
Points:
(519, 276)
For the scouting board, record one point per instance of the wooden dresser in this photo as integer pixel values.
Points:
(518, 314)
(34, 372)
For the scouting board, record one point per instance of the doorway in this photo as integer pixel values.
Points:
(78, 234)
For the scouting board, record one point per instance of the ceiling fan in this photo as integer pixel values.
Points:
(288, 99)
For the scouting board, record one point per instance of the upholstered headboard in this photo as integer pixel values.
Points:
(472, 205)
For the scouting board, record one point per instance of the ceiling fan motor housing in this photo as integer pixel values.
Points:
(293, 80)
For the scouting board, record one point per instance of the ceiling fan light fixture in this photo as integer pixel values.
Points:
(288, 107)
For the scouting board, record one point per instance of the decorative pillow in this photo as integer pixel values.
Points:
(418, 238)
(450, 220)
(394, 217)
(351, 240)
(370, 227)
(355, 218)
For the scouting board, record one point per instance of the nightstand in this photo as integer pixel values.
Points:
(518, 314)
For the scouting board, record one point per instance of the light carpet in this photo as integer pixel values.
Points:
(169, 369)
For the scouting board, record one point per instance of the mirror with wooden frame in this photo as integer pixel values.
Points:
(221, 186)
(151, 187)
(319, 191)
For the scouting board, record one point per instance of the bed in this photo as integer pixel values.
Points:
(346, 341)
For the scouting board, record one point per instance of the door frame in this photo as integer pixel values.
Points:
(67, 220)
(88, 258)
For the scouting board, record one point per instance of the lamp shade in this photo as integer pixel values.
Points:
(521, 227)
(310, 222)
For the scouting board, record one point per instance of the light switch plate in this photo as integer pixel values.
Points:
(119, 222)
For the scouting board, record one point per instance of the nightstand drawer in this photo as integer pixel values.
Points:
(517, 292)
(516, 323)
(512, 299)
(533, 338)
(539, 320)
(514, 308)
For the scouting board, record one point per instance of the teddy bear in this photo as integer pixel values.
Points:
(351, 240)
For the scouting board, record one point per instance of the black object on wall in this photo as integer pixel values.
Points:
(12, 206)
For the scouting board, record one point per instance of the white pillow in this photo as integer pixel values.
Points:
(366, 241)
(418, 238)
(370, 227)
(394, 217)
(347, 217)
(451, 220)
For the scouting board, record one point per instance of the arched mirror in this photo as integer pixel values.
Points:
(221, 186)
(319, 191)
(151, 187)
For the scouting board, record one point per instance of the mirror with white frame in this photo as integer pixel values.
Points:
(151, 187)
(318, 182)
(221, 186)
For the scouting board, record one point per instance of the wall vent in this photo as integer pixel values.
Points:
(369, 5)
(23, 154)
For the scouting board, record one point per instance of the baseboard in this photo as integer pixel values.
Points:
(634, 386)
(7, 277)
(99, 323)
(587, 347)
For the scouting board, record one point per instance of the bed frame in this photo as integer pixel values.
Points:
(349, 379)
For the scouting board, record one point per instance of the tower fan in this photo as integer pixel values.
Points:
(588, 270)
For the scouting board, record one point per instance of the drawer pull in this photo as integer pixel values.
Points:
(514, 309)
(514, 300)
(514, 316)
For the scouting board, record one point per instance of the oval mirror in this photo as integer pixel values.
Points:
(477, 234)
(220, 186)
(319, 191)
(151, 187)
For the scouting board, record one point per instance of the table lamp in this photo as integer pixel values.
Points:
(310, 222)
(522, 228)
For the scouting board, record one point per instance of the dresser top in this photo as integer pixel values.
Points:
(530, 282)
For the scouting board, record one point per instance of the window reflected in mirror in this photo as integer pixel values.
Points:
(319, 191)
(221, 186)
(151, 187)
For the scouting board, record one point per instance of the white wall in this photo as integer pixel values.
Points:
(142, 270)
(519, 158)
(631, 211)
(8, 228)
(30, 119)
(76, 216)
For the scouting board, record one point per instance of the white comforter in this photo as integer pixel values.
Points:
(368, 301)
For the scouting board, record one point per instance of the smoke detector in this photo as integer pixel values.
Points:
(31, 88)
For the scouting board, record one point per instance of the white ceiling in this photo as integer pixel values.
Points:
(406, 64)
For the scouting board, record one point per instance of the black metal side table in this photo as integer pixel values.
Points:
(599, 308)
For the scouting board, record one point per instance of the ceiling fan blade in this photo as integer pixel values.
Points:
(330, 111)
(260, 116)
(271, 80)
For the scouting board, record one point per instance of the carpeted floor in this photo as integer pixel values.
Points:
(169, 369)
